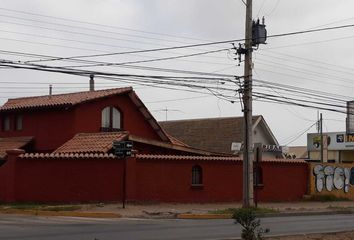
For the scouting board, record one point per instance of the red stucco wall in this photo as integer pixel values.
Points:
(88, 116)
(64, 180)
(85, 180)
(170, 181)
(284, 181)
(43, 125)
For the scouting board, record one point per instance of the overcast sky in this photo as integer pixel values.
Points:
(318, 61)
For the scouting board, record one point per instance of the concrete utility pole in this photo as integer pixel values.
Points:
(321, 133)
(248, 199)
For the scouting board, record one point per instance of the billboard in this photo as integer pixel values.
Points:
(332, 141)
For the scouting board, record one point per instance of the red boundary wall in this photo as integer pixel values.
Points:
(92, 178)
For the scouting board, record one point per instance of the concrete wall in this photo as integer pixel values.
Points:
(325, 180)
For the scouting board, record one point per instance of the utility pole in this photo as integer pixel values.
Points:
(248, 199)
(321, 133)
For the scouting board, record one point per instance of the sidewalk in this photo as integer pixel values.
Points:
(173, 210)
(170, 210)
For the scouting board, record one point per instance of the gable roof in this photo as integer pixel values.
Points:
(60, 100)
(211, 134)
(72, 99)
(102, 143)
(92, 142)
(12, 143)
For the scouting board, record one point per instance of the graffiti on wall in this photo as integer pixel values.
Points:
(331, 177)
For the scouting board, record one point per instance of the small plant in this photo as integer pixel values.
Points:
(246, 217)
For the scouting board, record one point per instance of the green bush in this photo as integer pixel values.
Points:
(246, 217)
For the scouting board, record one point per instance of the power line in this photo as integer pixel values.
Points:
(121, 66)
(203, 44)
(306, 71)
(303, 78)
(91, 29)
(100, 25)
(300, 134)
(151, 60)
(309, 62)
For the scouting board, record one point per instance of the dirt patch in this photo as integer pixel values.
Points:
(322, 236)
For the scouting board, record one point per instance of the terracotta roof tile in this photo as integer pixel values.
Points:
(186, 157)
(213, 158)
(12, 143)
(47, 156)
(91, 142)
(59, 100)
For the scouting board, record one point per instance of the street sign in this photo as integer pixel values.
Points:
(122, 148)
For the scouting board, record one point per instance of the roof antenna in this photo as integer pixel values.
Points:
(92, 82)
(50, 90)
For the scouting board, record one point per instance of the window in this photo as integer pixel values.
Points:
(111, 119)
(197, 175)
(18, 122)
(6, 123)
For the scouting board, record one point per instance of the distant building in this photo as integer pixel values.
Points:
(337, 147)
(217, 134)
(299, 152)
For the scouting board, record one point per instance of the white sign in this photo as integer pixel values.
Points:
(333, 140)
(235, 146)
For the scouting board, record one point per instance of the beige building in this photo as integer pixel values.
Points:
(337, 147)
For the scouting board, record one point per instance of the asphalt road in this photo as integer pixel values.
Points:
(68, 228)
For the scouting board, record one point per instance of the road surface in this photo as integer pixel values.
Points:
(69, 228)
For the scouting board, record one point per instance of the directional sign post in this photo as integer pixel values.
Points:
(123, 148)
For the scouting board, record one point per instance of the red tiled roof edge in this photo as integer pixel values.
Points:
(214, 158)
(187, 157)
(68, 148)
(76, 98)
(67, 155)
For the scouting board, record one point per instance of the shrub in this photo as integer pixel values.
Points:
(251, 225)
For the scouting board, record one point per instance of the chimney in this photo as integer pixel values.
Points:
(92, 82)
(50, 90)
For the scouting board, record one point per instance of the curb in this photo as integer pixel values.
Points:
(61, 213)
(203, 216)
(285, 214)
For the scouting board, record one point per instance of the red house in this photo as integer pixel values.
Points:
(58, 148)
(43, 124)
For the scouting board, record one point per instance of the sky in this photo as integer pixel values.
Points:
(320, 62)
